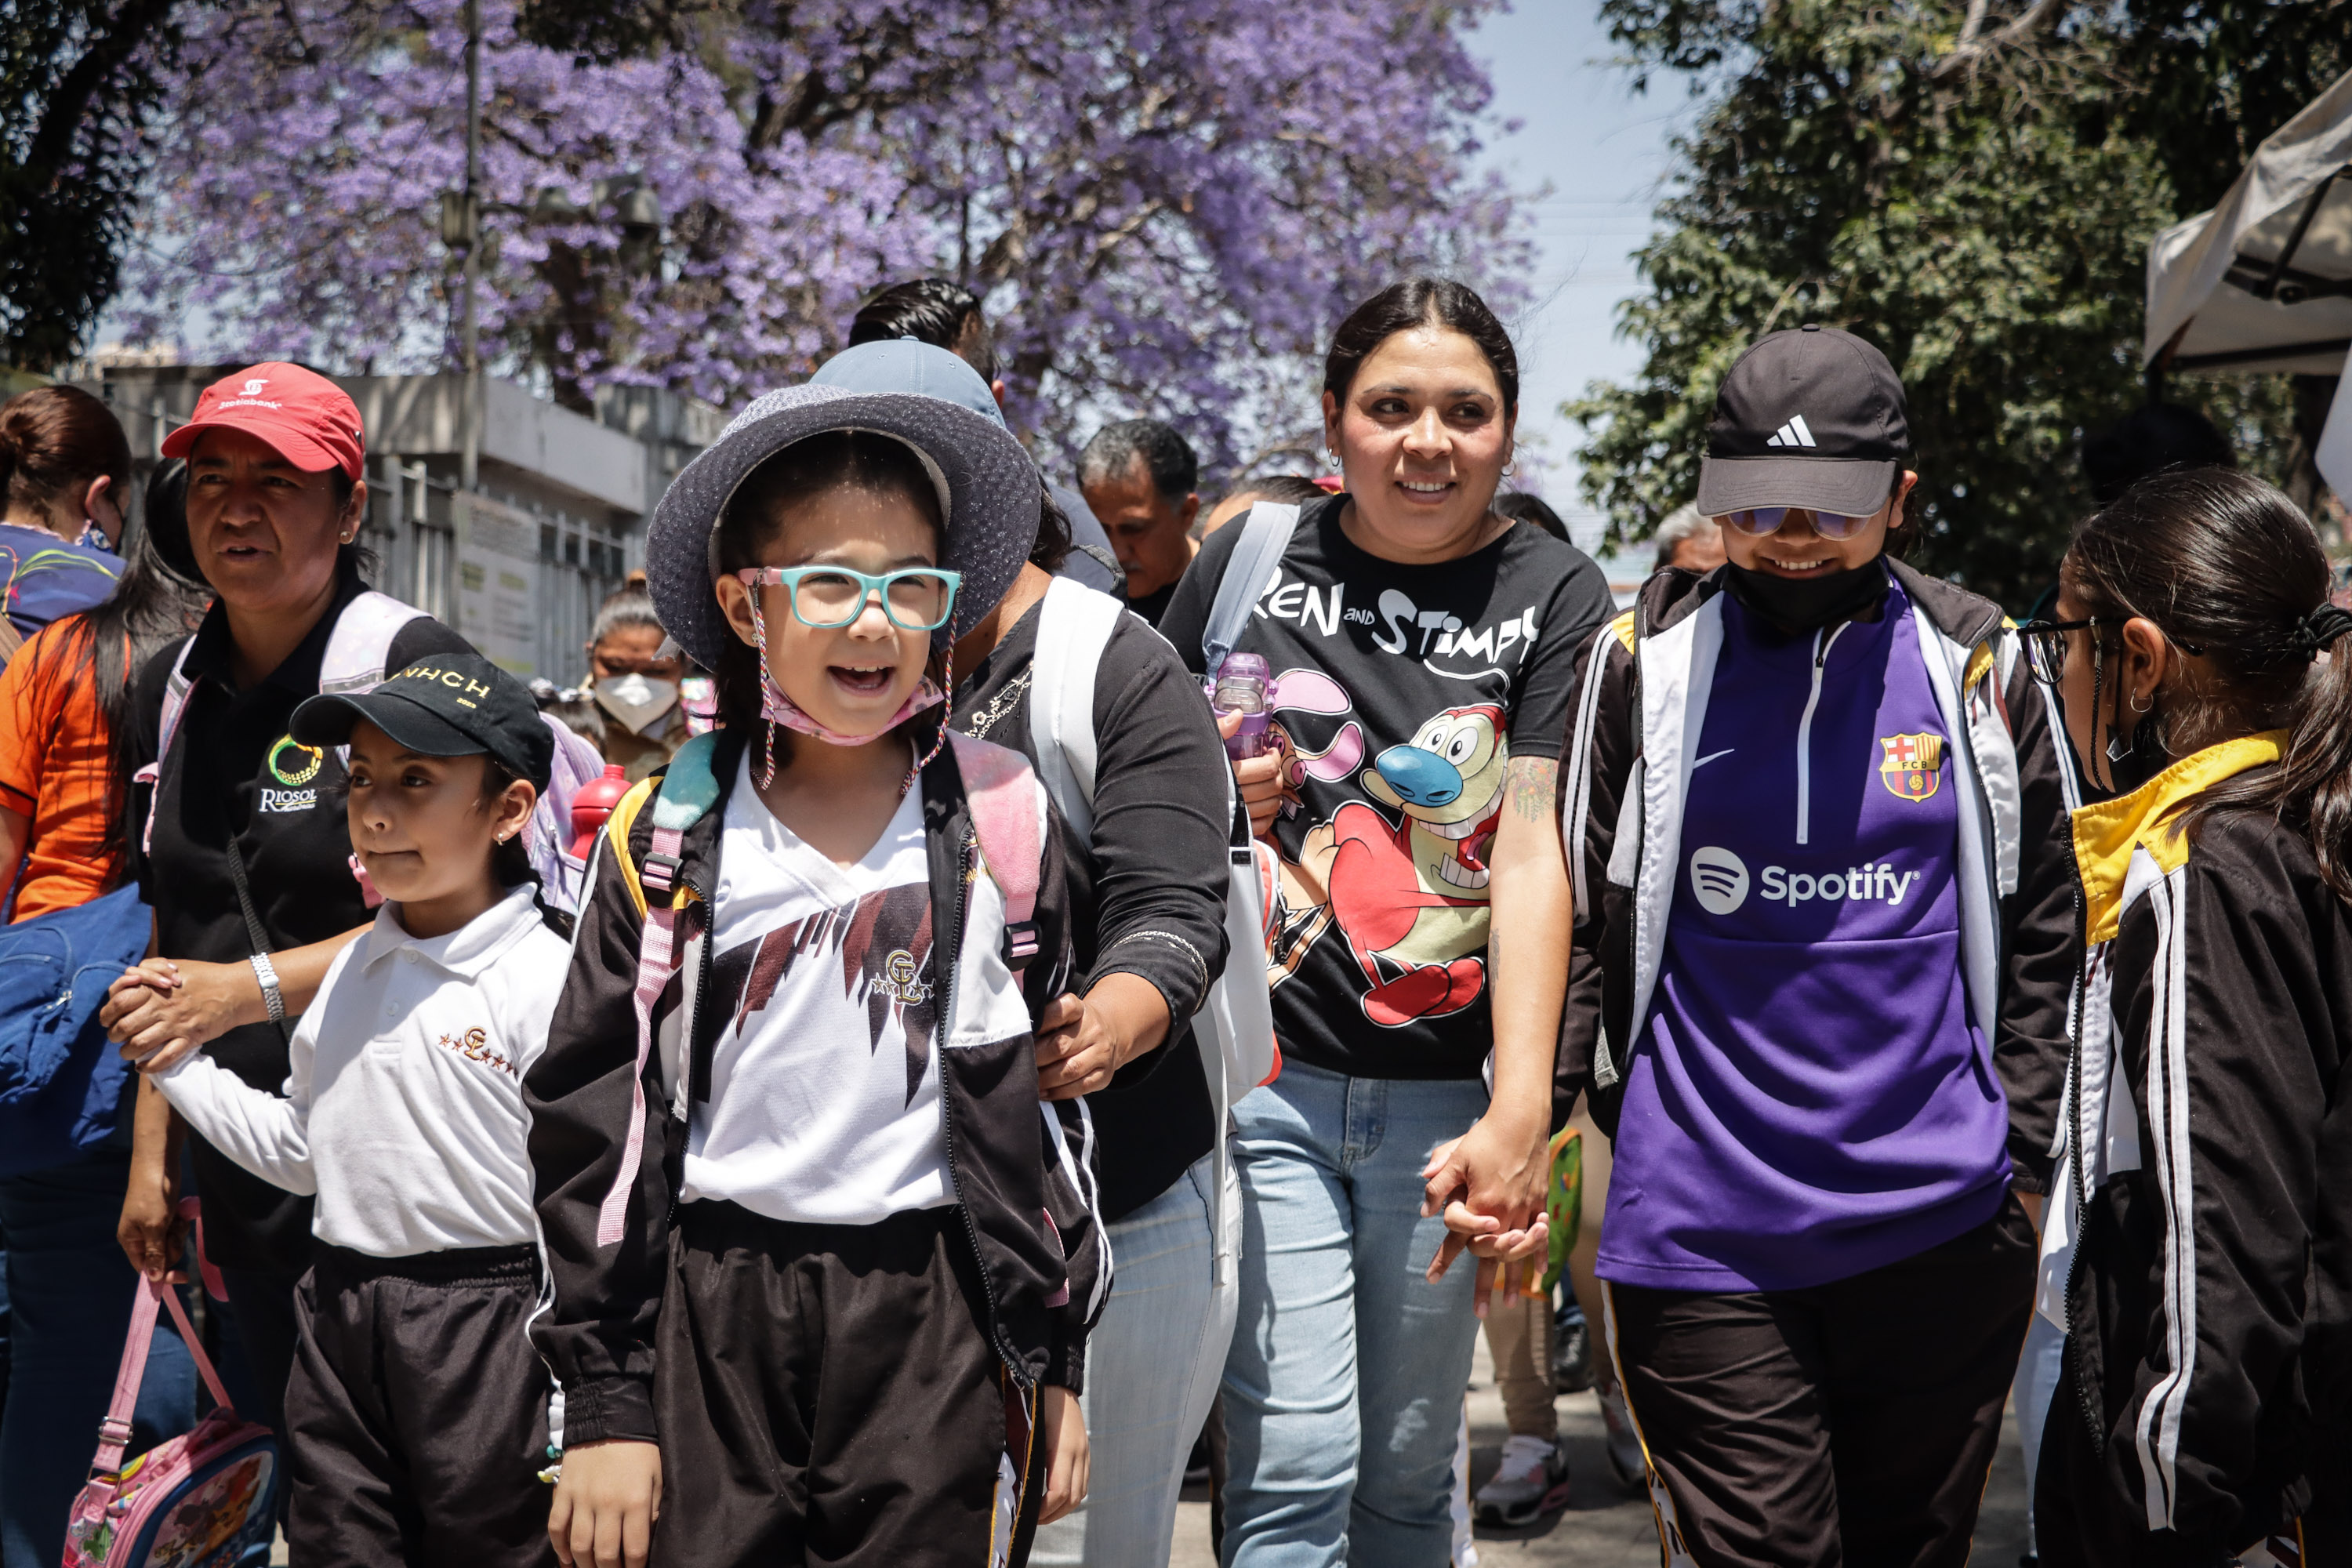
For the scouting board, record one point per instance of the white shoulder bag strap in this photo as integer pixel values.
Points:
(1249, 572)
(1074, 627)
(359, 650)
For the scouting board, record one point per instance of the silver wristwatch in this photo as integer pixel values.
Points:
(266, 973)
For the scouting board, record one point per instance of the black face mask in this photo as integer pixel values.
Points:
(1798, 605)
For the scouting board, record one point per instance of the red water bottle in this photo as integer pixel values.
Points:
(592, 804)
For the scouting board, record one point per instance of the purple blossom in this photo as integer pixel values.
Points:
(1166, 204)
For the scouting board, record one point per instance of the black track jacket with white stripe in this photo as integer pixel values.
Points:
(2210, 1297)
(1031, 1212)
(1627, 764)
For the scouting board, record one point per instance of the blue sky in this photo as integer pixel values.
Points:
(1603, 150)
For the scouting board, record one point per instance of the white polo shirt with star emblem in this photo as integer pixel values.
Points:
(404, 1108)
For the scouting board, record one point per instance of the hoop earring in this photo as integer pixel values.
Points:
(2142, 707)
(1511, 467)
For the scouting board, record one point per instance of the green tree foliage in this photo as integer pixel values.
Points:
(78, 86)
(1972, 191)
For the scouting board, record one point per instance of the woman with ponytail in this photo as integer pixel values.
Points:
(2199, 1253)
(65, 470)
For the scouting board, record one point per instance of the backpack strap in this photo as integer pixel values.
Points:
(1002, 796)
(176, 703)
(359, 650)
(682, 797)
(1074, 628)
(1249, 572)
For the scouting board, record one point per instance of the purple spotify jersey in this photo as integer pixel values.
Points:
(1814, 1098)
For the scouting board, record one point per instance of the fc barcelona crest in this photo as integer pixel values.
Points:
(1914, 765)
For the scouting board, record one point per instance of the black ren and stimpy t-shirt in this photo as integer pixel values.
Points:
(235, 770)
(1400, 693)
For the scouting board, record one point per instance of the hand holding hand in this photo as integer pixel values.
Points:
(1063, 1427)
(163, 1011)
(605, 1504)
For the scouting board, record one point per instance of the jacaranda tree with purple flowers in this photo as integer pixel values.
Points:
(1166, 204)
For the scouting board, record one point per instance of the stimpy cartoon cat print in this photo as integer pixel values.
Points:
(1407, 893)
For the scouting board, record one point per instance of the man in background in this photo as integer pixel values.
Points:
(947, 315)
(1690, 541)
(1138, 476)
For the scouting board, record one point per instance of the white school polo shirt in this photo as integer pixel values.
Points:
(404, 1108)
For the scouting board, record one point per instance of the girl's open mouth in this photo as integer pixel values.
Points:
(863, 681)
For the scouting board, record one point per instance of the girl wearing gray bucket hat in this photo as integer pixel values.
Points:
(780, 1175)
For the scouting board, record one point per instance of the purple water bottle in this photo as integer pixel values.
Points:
(1243, 685)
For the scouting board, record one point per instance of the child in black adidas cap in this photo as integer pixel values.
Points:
(417, 1412)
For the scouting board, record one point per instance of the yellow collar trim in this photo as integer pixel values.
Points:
(2106, 834)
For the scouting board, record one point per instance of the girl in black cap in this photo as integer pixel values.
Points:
(2200, 1254)
(823, 1273)
(418, 1414)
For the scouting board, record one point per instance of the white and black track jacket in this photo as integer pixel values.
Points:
(1031, 1215)
(2203, 1251)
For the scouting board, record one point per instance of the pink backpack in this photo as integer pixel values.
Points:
(201, 1501)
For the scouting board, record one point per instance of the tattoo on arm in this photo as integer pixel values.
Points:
(1533, 788)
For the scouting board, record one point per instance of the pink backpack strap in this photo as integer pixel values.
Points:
(1002, 794)
(656, 962)
(114, 1432)
(689, 791)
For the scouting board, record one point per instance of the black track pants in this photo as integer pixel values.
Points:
(418, 1413)
(827, 1394)
(1850, 1422)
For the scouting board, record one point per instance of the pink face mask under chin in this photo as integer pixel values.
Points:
(778, 708)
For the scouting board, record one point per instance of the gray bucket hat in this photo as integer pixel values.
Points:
(989, 494)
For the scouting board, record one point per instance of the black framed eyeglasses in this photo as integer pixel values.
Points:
(2046, 643)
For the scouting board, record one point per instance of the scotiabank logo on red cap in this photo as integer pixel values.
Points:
(312, 422)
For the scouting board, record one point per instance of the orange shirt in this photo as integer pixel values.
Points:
(53, 770)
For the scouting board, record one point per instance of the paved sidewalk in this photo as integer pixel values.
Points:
(1601, 1528)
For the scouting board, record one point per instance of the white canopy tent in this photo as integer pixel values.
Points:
(2264, 282)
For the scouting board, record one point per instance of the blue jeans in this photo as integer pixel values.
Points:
(69, 1294)
(1152, 1364)
(1343, 1388)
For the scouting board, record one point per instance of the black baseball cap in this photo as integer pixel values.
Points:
(447, 705)
(1811, 417)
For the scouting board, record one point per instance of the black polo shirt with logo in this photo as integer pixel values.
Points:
(235, 770)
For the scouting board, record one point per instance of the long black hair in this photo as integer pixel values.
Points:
(2230, 571)
(1420, 303)
(151, 608)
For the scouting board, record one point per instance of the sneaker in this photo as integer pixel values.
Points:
(1532, 1482)
(1624, 1446)
(1572, 1354)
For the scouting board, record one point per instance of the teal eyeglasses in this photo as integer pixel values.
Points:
(918, 599)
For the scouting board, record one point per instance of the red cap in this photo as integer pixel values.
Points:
(310, 421)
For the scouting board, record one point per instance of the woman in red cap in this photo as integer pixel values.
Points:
(240, 837)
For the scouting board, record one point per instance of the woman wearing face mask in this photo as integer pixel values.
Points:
(1820, 881)
(1423, 646)
(65, 469)
(633, 686)
(2200, 1256)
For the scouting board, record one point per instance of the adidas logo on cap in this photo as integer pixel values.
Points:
(1792, 434)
